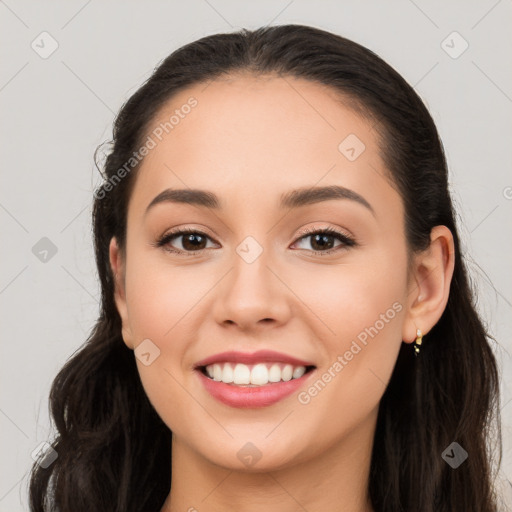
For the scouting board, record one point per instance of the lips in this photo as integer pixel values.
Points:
(253, 397)
(261, 356)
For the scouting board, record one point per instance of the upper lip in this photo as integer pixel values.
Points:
(252, 358)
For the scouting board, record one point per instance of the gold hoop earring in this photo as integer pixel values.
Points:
(417, 342)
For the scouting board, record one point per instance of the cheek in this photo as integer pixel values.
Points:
(343, 300)
(160, 297)
(360, 308)
(339, 305)
(160, 305)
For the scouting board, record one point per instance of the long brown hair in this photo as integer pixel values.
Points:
(114, 452)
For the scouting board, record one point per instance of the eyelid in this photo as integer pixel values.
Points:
(335, 231)
(345, 239)
(189, 228)
(178, 232)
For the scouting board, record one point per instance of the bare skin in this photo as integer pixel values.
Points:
(249, 140)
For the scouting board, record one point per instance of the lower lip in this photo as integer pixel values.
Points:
(251, 397)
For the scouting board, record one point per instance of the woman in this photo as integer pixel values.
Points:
(286, 319)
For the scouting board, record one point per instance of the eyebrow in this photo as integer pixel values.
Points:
(291, 199)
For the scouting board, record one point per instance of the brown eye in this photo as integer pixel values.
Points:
(191, 241)
(319, 242)
(323, 240)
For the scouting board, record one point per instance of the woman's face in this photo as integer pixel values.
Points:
(250, 279)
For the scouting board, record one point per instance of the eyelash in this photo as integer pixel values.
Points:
(165, 239)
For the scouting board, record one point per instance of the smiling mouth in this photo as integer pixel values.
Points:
(254, 375)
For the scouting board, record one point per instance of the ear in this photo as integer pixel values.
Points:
(118, 270)
(429, 284)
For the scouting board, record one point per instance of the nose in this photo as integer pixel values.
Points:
(252, 296)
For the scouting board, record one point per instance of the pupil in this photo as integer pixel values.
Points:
(323, 239)
(188, 239)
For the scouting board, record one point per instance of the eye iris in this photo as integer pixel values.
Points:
(195, 241)
(323, 241)
(188, 239)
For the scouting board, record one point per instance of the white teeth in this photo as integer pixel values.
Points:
(287, 372)
(227, 374)
(257, 375)
(241, 374)
(217, 372)
(274, 374)
(298, 372)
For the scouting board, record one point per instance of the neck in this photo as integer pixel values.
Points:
(336, 480)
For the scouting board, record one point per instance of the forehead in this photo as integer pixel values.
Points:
(259, 137)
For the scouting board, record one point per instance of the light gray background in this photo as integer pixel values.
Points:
(55, 112)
